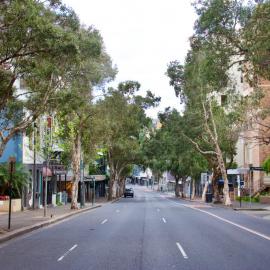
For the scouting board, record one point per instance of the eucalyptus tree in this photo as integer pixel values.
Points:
(238, 32)
(173, 151)
(119, 124)
(207, 124)
(75, 109)
(37, 49)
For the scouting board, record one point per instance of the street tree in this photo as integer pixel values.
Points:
(119, 125)
(238, 32)
(173, 150)
(207, 124)
(38, 47)
(75, 110)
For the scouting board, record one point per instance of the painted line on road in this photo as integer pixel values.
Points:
(232, 223)
(164, 220)
(182, 250)
(117, 211)
(158, 209)
(266, 237)
(104, 221)
(63, 256)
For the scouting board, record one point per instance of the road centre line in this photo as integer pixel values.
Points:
(182, 250)
(65, 254)
(104, 221)
(164, 220)
(266, 237)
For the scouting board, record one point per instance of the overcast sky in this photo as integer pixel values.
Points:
(142, 37)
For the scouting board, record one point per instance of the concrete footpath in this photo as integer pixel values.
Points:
(29, 220)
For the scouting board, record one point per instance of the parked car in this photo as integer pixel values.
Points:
(129, 192)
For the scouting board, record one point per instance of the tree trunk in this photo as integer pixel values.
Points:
(216, 175)
(204, 191)
(114, 188)
(122, 187)
(76, 158)
(227, 199)
(177, 187)
(193, 189)
(110, 189)
(111, 183)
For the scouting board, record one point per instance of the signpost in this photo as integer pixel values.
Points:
(11, 169)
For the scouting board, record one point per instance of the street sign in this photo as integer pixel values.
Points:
(256, 168)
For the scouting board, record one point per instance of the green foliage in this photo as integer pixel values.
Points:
(38, 48)
(247, 199)
(168, 150)
(266, 165)
(120, 125)
(19, 179)
(265, 193)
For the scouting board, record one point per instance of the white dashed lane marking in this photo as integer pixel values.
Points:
(104, 221)
(63, 256)
(182, 250)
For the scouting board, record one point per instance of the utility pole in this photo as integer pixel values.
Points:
(48, 144)
(94, 190)
(12, 161)
(34, 170)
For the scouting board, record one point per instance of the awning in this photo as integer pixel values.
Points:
(88, 178)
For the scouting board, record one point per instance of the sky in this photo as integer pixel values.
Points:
(142, 37)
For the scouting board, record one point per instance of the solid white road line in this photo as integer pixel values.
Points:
(266, 237)
(232, 223)
(104, 221)
(63, 256)
(117, 211)
(182, 250)
(164, 220)
(158, 209)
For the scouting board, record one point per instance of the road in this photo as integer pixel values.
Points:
(149, 231)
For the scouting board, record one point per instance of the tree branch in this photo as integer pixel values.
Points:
(198, 147)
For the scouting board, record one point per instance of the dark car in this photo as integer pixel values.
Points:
(129, 192)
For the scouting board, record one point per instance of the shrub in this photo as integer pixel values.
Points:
(247, 199)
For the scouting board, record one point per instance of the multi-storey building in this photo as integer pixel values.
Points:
(253, 145)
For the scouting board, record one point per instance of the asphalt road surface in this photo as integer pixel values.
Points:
(149, 231)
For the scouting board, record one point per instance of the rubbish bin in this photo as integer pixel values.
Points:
(208, 197)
